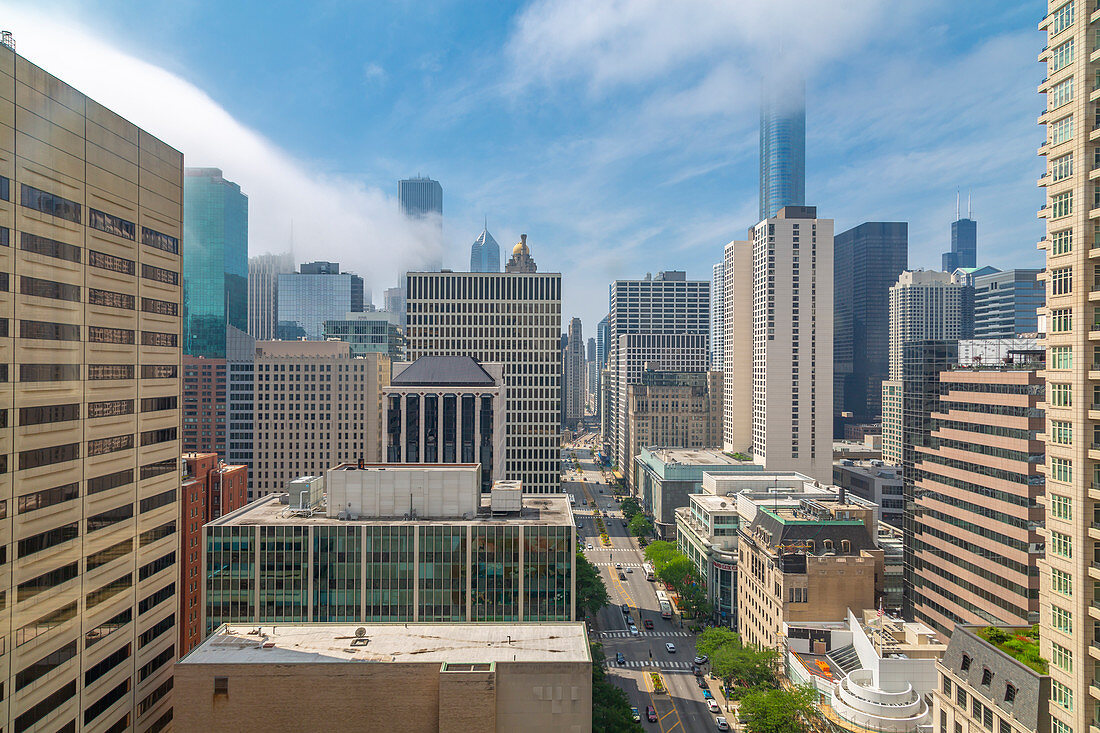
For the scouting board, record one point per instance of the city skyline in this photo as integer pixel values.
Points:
(688, 147)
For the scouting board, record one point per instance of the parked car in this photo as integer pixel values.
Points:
(650, 713)
(670, 647)
(635, 715)
(701, 659)
(648, 623)
(712, 705)
(702, 682)
(626, 609)
(630, 570)
(620, 658)
(697, 671)
(707, 695)
(622, 575)
(721, 723)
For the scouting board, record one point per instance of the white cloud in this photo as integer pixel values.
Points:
(333, 217)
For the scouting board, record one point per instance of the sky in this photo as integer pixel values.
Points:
(620, 136)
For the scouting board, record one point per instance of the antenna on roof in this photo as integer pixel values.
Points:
(957, 216)
(968, 203)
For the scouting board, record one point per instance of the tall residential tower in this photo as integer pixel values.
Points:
(782, 146)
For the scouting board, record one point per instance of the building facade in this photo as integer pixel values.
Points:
(673, 410)
(446, 409)
(964, 245)
(314, 405)
(782, 146)
(717, 316)
(706, 531)
(215, 261)
(925, 305)
(782, 404)
(373, 332)
(574, 376)
(1006, 304)
(868, 259)
(263, 293)
(204, 405)
(319, 292)
(431, 677)
(876, 482)
(91, 213)
(509, 318)
(240, 362)
(485, 253)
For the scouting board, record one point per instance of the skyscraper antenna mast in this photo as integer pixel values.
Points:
(956, 204)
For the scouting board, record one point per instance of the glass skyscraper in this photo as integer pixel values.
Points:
(215, 261)
(318, 293)
(485, 253)
(964, 245)
(421, 198)
(782, 147)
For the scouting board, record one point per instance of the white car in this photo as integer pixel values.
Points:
(713, 706)
(589, 546)
(670, 647)
(721, 723)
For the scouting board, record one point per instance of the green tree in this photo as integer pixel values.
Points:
(677, 571)
(713, 639)
(629, 507)
(591, 591)
(778, 711)
(610, 705)
(693, 601)
(640, 526)
(659, 553)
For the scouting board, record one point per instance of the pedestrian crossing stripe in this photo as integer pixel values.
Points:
(663, 665)
(609, 564)
(619, 634)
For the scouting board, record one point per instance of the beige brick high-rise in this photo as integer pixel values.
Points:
(90, 220)
(1068, 574)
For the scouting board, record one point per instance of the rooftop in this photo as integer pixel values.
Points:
(443, 371)
(538, 509)
(712, 503)
(468, 643)
(1019, 642)
(696, 457)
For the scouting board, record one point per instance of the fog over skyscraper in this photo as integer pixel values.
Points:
(782, 146)
(422, 198)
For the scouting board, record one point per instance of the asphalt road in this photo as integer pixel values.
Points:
(682, 708)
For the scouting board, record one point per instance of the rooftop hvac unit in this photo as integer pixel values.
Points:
(506, 496)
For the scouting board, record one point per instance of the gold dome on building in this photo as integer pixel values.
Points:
(521, 246)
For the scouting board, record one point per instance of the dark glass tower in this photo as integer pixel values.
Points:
(964, 245)
(215, 261)
(867, 262)
(782, 147)
(422, 198)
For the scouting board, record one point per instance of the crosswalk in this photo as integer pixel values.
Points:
(662, 664)
(620, 634)
(608, 564)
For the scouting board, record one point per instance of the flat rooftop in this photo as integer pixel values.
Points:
(696, 457)
(538, 509)
(713, 503)
(473, 643)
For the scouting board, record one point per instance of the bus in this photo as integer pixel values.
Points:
(647, 568)
(572, 500)
(665, 604)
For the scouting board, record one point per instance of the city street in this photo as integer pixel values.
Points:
(683, 707)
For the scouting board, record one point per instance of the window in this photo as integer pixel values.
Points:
(1060, 657)
(45, 665)
(102, 446)
(111, 224)
(1061, 619)
(110, 481)
(1061, 544)
(1061, 695)
(160, 307)
(965, 665)
(49, 289)
(154, 697)
(1061, 130)
(1063, 18)
(110, 371)
(110, 262)
(1061, 281)
(150, 569)
(163, 435)
(150, 470)
(987, 677)
(152, 238)
(110, 517)
(48, 456)
(1061, 56)
(49, 372)
(1056, 725)
(105, 629)
(110, 299)
(46, 331)
(101, 335)
(1061, 507)
(221, 685)
(45, 623)
(1061, 242)
(159, 274)
(156, 630)
(155, 338)
(156, 598)
(115, 694)
(1061, 432)
(1061, 395)
(1061, 469)
(1061, 320)
(49, 203)
(106, 664)
(157, 662)
(1061, 357)
(158, 533)
(110, 408)
(946, 685)
(1061, 205)
(155, 502)
(109, 590)
(48, 414)
(1061, 167)
(158, 371)
(109, 554)
(1060, 94)
(46, 581)
(48, 247)
(47, 498)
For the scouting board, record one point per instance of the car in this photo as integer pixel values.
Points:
(626, 609)
(650, 713)
(622, 575)
(618, 566)
(630, 570)
(670, 647)
(702, 682)
(707, 694)
(712, 706)
(580, 526)
(701, 659)
(620, 658)
(584, 502)
(648, 623)
(635, 715)
(589, 546)
(633, 630)
(721, 723)
(624, 522)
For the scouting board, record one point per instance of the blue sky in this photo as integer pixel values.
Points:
(620, 136)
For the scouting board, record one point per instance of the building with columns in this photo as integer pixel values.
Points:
(446, 409)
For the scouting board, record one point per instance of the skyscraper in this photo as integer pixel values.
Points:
(91, 208)
(868, 259)
(1068, 583)
(574, 375)
(1007, 303)
(782, 146)
(779, 344)
(717, 316)
(263, 293)
(319, 292)
(459, 314)
(422, 198)
(215, 261)
(485, 253)
(393, 301)
(964, 243)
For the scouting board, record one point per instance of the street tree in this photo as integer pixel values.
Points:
(778, 711)
(659, 553)
(591, 591)
(640, 526)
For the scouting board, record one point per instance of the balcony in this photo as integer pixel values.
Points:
(1043, 212)
(1094, 573)
(1094, 491)
(1094, 530)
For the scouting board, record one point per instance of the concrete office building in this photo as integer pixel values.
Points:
(433, 678)
(240, 362)
(977, 542)
(319, 292)
(215, 261)
(209, 489)
(373, 332)
(868, 259)
(1006, 304)
(513, 319)
(667, 318)
(91, 216)
(876, 482)
(674, 410)
(988, 687)
(706, 531)
(446, 409)
(717, 316)
(263, 293)
(779, 409)
(314, 406)
(574, 376)
(411, 561)
(485, 253)
(812, 562)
